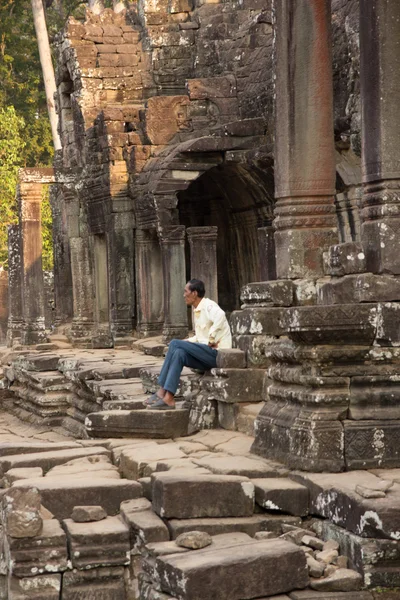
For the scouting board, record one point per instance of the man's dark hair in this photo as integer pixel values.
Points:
(196, 285)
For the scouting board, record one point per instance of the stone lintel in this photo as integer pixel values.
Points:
(203, 233)
(36, 175)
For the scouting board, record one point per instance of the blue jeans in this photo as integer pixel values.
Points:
(185, 354)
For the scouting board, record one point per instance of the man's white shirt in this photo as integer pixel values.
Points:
(211, 325)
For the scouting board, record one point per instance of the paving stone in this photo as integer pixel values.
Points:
(21, 473)
(194, 540)
(47, 460)
(20, 447)
(342, 580)
(333, 496)
(144, 423)
(61, 495)
(98, 544)
(144, 525)
(94, 584)
(241, 465)
(248, 525)
(283, 495)
(314, 595)
(134, 461)
(40, 587)
(85, 514)
(45, 553)
(234, 572)
(195, 496)
(20, 512)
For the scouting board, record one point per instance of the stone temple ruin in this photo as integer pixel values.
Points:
(254, 146)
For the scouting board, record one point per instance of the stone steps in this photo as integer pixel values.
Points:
(139, 423)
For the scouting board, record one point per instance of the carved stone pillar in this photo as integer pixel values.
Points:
(30, 199)
(203, 258)
(15, 318)
(82, 274)
(266, 245)
(62, 259)
(149, 283)
(380, 93)
(172, 239)
(121, 263)
(305, 219)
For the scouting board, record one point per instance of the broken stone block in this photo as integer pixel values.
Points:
(315, 568)
(265, 535)
(61, 495)
(257, 321)
(366, 287)
(369, 493)
(331, 545)
(237, 385)
(343, 259)
(313, 542)
(231, 358)
(195, 496)
(249, 525)
(40, 587)
(22, 473)
(86, 514)
(267, 293)
(327, 556)
(194, 540)
(44, 553)
(105, 583)
(98, 544)
(231, 570)
(144, 525)
(342, 580)
(283, 495)
(21, 512)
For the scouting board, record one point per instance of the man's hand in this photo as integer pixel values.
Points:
(213, 345)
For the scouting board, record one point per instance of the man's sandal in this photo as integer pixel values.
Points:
(160, 405)
(151, 400)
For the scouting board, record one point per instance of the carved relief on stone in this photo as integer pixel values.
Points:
(165, 117)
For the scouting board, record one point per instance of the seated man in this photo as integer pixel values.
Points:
(198, 352)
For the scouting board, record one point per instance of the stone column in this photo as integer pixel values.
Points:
(203, 258)
(172, 239)
(30, 198)
(82, 273)
(62, 258)
(380, 93)
(149, 283)
(266, 245)
(15, 318)
(305, 219)
(121, 269)
(3, 306)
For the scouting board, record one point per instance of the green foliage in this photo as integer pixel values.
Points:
(11, 156)
(47, 232)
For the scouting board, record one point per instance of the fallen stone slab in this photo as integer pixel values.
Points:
(21, 473)
(47, 460)
(61, 495)
(282, 495)
(38, 362)
(142, 423)
(196, 496)
(133, 461)
(40, 587)
(94, 584)
(241, 465)
(248, 525)
(342, 580)
(44, 553)
(102, 543)
(334, 497)
(144, 525)
(234, 572)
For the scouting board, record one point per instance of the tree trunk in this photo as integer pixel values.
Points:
(96, 6)
(47, 67)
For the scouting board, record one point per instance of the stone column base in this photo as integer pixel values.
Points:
(34, 333)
